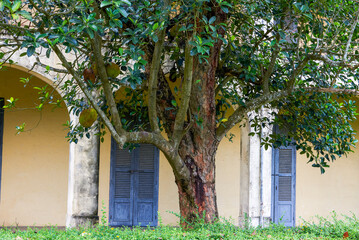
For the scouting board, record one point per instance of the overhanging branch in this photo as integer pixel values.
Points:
(354, 92)
(96, 43)
(119, 139)
(241, 112)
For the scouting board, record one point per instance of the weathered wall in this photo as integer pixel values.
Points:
(34, 163)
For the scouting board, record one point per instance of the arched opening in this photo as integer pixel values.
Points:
(35, 162)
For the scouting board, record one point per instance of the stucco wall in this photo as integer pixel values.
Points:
(34, 163)
(335, 190)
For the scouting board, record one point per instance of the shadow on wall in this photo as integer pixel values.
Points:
(35, 162)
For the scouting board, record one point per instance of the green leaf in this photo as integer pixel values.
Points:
(174, 103)
(105, 3)
(212, 19)
(16, 5)
(72, 41)
(90, 33)
(120, 51)
(183, 28)
(193, 51)
(30, 51)
(309, 16)
(48, 52)
(127, 2)
(25, 14)
(15, 16)
(224, 9)
(94, 27)
(123, 12)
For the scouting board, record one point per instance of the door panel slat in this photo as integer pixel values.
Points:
(284, 188)
(285, 161)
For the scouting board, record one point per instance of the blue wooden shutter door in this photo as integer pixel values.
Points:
(134, 186)
(284, 185)
(147, 186)
(121, 186)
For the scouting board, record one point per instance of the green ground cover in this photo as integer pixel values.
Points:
(333, 228)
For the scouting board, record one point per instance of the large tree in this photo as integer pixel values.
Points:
(192, 70)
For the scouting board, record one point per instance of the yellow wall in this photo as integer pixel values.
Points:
(335, 190)
(34, 163)
(228, 177)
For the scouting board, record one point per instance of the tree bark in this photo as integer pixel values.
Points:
(199, 146)
(200, 201)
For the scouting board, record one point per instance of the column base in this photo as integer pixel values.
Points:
(246, 222)
(81, 221)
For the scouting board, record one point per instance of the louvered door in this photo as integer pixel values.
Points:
(284, 185)
(121, 186)
(146, 181)
(134, 186)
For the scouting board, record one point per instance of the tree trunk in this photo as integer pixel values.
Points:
(197, 195)
(199, 146)
(198, 198)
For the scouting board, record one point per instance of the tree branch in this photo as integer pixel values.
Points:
(185, 95)
(350, 37)
(38, 62)
(223, 82)
(153, 79)
(327, 60)
(270, 70)
(12, 28)
(296, 72)
(13, 52)
(96, 43)
(241, 112)
(119, 139)
(354, 92)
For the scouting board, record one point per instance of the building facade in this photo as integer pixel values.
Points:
(45, 180)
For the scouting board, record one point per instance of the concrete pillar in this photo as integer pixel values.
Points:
(255, 177)
(83, 185)
(266, 179)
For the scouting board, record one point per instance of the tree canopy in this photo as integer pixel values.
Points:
(194, 69)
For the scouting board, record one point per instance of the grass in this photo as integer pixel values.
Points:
(331, 228)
